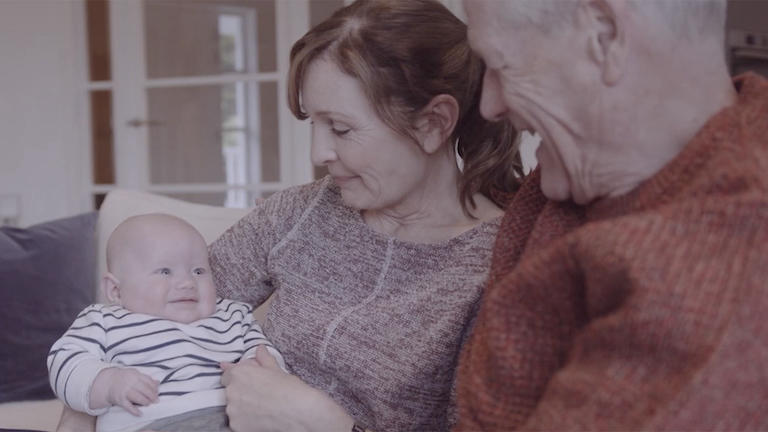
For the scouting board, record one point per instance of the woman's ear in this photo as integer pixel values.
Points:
(110, 286)
(607, 37)
(437, 122)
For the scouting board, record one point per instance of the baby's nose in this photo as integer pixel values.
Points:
(186, 283)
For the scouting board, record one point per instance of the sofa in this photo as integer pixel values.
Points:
(48, 273)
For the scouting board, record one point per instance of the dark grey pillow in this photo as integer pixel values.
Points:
(47, 276)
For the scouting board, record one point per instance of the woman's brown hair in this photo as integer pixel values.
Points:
(404, 53)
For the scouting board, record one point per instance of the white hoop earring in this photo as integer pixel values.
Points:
(459, 160)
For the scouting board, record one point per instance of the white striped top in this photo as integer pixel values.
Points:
(183, 358)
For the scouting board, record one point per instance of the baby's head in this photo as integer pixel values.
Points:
(157, 264)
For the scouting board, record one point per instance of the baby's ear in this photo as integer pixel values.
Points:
(110, 286)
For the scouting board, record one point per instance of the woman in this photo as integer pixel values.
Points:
(376, 269)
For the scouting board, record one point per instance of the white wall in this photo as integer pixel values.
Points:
(41, 158)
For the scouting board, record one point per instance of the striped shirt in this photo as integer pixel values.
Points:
(183, 358)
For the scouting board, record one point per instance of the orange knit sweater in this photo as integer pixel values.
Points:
(646, 311)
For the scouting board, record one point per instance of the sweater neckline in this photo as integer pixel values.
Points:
(356, 216)
(662, 188)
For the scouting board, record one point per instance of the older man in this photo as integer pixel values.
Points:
(632, 293)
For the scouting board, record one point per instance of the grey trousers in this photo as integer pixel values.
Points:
(213, 419)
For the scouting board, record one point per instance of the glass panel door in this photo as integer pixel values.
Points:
(191, 104)
(211, 97)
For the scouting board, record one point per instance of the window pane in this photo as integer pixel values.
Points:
(214, 134)
(101, 137)
(209, 37)
(97, 21)
(269, 133)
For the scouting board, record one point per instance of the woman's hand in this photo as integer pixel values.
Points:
(75, 421)
(261, 397)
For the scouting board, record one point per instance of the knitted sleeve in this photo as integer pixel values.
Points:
(683, 315)
(240, 257)
(77, 357)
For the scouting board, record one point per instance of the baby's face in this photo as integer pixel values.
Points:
(165, 273)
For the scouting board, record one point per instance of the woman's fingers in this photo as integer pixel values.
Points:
(230, 368)
(265, 359)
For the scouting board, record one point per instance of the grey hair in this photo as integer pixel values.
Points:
(691, 19)
(688, 18)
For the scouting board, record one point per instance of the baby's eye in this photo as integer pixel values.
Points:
(199, 271)
(164, 271)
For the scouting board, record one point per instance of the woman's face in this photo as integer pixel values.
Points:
(374, 166)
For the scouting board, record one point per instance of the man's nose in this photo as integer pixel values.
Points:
(492, 106)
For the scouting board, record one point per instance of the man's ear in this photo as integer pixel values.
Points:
(437, 121)
(110, 286)
(606, 20)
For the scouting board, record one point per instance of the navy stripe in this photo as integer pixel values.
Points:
(215, 330)
(169, 343)
(61, 366)
(156, 363)
(232, 316)
(180, 393)
(165, 330)
(193, 365)
(122, 326)
(199, 375)
(248, 341)
(88, 310)
(112, 314)
(229, 306)
(90, 340)
(234, 338)
(93, 324)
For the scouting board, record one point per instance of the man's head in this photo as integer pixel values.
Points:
(615, 88)
(157, 264)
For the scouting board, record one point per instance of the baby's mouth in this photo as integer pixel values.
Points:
(185, 300)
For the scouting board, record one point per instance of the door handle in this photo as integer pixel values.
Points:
(137, 122)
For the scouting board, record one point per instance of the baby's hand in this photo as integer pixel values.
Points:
(126, 388)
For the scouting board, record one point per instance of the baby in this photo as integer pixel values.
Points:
(150, 360)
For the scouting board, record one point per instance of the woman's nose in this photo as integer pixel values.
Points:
(492, 105)
(322, 148)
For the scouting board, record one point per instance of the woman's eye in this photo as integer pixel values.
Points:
(339, 132)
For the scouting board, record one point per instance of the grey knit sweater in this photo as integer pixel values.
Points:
(375, 322)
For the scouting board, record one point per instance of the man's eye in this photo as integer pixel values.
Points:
(198, 271)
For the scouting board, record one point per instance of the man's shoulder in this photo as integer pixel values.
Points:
(721, 231)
